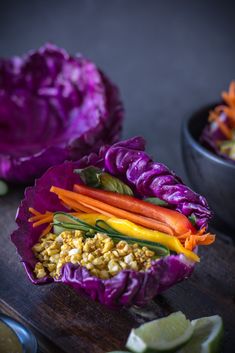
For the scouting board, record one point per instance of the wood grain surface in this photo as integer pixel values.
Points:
(65, 322)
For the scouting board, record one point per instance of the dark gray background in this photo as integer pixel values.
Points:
(167, 57)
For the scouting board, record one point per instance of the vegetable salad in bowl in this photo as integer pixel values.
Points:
(219, 133)
(114, 225)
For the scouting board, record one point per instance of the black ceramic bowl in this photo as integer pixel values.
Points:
(209, 174)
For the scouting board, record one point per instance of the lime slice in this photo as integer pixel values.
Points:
(162, 335)
(3, 188)
(207, 335)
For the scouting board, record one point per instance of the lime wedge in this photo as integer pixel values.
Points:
(162, 335)
(207, 335)
(3, 188)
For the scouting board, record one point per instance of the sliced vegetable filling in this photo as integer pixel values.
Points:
(107, 229)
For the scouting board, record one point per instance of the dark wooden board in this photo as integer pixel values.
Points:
(66, 322)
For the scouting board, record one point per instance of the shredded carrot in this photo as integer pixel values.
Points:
(43, 221)
(114, 211)
(229, 110)
(93, 208)
(214, 116)
(190, 240)
(46, 230)
(33, 211)
(74, 205)
(229, 97)
(43, 218)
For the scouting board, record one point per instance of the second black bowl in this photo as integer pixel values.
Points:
(209, 174)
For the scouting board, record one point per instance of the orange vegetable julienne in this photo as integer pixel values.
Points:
(188, 239)
(114, 211)
(177, 222)
(34, 212)
(46, 230)
(74, 205)
(43, 221)
(43, 218)
(214, 116)
(229, 110)
(229, 97)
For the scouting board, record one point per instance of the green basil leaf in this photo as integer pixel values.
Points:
(111, 183)
(96, 178)
(192, 219)
(90, 176)
(156, 201)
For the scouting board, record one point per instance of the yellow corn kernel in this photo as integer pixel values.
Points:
(98, 261)
(123, 265)
(149, 253)
(75, 258)
(107, 246)
(50, 236)
(41, 273)
(115, 253)
(113, 267)
(134, 266)
(89, 266)
(104, 274)
(38, 247)
(87, 247)
(52, 251)
(78, 234)
(51, 267)
(128, 258)
(126, 248)
(78, 243)
(53, 273)
(101, 236)
(97, 253)
(54, 258)
(95, 272)
(121, 252)
(121, 244)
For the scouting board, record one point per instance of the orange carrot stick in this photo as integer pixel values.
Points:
(46, 230)
(99, 211)
(117, 212)
(144, 221)
(35, 218)
(173, 219)
(33, 211)
(74, 205)
(43, 221)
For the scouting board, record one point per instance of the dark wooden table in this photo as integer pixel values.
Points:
(66, 322)
(168, 58)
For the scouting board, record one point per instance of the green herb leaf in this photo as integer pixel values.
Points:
(192, 219)
(96, 178)
(156, 201)
(90, 176)
(111, 183)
